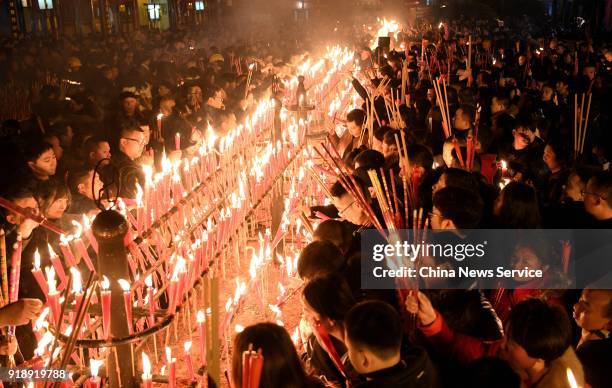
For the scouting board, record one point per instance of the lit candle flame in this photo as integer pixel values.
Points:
(124, 284)
(41, 320)
(146, 366)
(52, 253)
(50, 271)
(149, 281)
(94, 366)
(78, 229)
(105, 283)
(168, 354)
(77, 284)
(36, 259)
(187, 346)
(239, 328)
(201, 317)
(571, 379)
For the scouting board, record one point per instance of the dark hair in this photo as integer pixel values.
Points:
(75, 178)
(544, 331)
(49, 191)
(519, 208)
(380, 132)
(330, 296)
(282, 366)
(490, 372)
(457, 177)
(561, 151)
(337, 190)
(376, 326)
(602, 184)
(463, 207)
(92, 143)
(357, 116)
(389, 138)
(319, 257)
(337, 232)
(467, 113)
(503, 99)
(420, 156)
(35, 148)
(370, 159)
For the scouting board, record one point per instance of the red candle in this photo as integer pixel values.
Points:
(94, 381)
(147, 378)
(257, 360)
(177, 141)
(160, 116)
(201, 318)
(66, 251)
(105, 295)
(127, 301)
(53, 295)
(151, 298)
(57, 264)
(171, 368)
(40, 279)
(188, 361)
(89, 234)
(77, 287)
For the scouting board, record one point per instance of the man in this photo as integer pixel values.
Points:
(86, 187)
(40, 159)
(131, 145)
(463, 120)
(373, 336)
(96, 150)
(598, 198)
(348, 207)
(593, 314)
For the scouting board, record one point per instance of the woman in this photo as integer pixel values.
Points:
(54, 199)
(281, 367)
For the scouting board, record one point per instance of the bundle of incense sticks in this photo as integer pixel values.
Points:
(404, 80)
(383, 196)
(442, 100)
(252, 367)
(580, 124)
(409, 189)
(348, 182)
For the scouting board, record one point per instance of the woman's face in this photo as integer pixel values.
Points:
(525, 257)
(57, 209)
(550, 158)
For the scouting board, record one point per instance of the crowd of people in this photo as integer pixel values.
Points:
(91, 131)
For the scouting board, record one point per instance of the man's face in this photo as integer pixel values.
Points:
(354, 128)
(349, 209)
(589, 72)
(589, 311)
(440, 184)
(525, 257)
(86, 189)
(101, 152)
(496, 106)
(436, 219)
(133, 145)
(459, 122)
(522, 138)
(166, 107)
(594, 203)
(129, 105)
(194, 96)
(574, 188)
(45, 165)
(388, 149)
(30, 205)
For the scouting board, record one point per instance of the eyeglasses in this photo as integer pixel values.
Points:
(139, 141)
(346, 208)
(431, 214)
(584, 192)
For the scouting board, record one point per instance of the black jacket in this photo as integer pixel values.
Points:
(415, 370)
(122, 176)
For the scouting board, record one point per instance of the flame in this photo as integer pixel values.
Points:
(281, 289)
(41, 320)
(571, 379)
(238, 328)
(228, 304)
(187, 346)
(36, 260)
(146, 366)
(139, 195)
(201, 317)
(78, 229)
(275, 309)
(149, 281)
(50, 271)
(160, 116)
(168, 354)
(124, 284)
(148, 172)
(45, 340)
(77, 284)
(295, 336)
(52, 253)
(94, 366)
(105, 283)
(504, 165)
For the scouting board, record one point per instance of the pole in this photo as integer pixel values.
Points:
(109, 229)
(277, 196)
